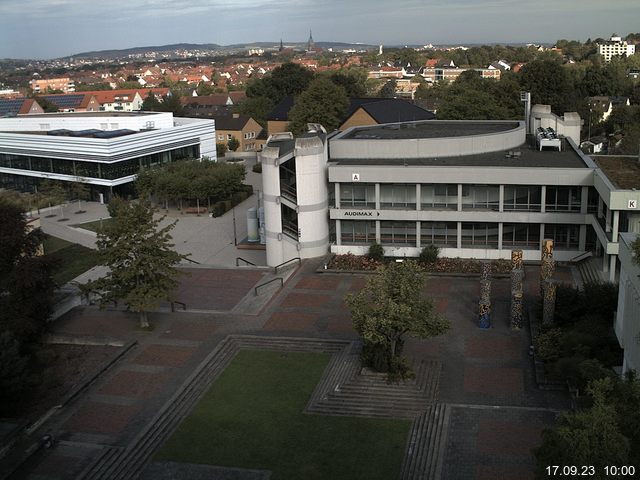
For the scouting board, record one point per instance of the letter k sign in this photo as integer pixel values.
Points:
(632, 204)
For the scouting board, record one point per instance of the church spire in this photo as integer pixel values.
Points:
(310, 43)
(281, 46)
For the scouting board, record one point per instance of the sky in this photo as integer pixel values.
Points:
(54, 28)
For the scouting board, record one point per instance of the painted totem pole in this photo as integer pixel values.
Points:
(517, 289)
(484, 320)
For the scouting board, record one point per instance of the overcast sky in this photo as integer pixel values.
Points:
(54, 28)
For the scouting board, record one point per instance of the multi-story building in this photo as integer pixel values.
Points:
(627, 320)
(42, 85)
(615, 47)
(476, 189)
(104, 150)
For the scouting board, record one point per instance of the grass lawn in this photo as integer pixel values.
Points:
(95, 225)
(252, 418)
(70, 259)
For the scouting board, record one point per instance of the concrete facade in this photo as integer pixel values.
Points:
(627, 318)
(104, 150)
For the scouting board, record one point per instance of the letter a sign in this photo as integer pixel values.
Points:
(355, 177)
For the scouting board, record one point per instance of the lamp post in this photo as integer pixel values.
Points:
(589, 138)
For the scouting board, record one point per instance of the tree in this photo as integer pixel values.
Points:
(233, 144)
(586, 437)
(287, 79)
(79, 191)
(390, 306)
(257, 108)
(140, 258)
(323, 102)
(221, 149)
(353, 80)
(389, 89)
(549, 84)
(150, 103)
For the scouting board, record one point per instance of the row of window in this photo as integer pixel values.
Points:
(445, 234)
(474, 197)
(107, 171)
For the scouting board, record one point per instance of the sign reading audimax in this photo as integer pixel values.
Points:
(361, 213)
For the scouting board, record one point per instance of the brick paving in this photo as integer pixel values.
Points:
(484, 372)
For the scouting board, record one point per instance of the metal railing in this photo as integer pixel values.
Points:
(192, 261)
(255, 290)
(582, 256)
(275, 269)
(238, 259)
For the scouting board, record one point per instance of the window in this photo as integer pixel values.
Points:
(522, 198)
(480, 197)
(398, 233)
(442, 234)
(439, 196)
(353, 232)
(479, 235)
(221, 137)
(229, 136)
(563, 199)
(45, 126)
(399, 196)
(525, 235)
(357, 195)
(565, 237)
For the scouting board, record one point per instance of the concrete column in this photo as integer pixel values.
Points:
(541, 234)
(582, 238)
(378, 237)
(600, 206)
(607, 221)
(501, 202)
(459, 201)
(418, 197)
(338, 231)
(337, 194)
(584, 200)
(418, 240)
(378, 199)
(459, 232)
(605, 261)
(612, 267)
(543, 201)
(500, 227)
(616, 224)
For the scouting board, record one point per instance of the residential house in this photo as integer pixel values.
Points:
(42, 85)
(211, 105)
(18, 106)
(74, 102)
(604, 106)
(241, 127)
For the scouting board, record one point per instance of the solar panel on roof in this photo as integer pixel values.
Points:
(114, 133)
(65, 101)
(85, 133)
(10, 107)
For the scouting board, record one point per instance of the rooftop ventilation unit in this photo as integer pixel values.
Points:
(547, 137)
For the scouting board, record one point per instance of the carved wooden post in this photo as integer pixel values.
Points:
(517, 290)
(548, 264)
(484, 320)
(549, 303)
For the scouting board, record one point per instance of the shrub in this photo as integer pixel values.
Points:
(238, 198)
(548, 344)
(429, 254)
(257, 167)
(349, 261)
(376, 252)
(218, 209)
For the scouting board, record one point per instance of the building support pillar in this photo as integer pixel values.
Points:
(582, 238)
(501, 199)
(337, 194)
(338, 232)
(459, 235)
(543, 202)
(459, 200)
(612, 267)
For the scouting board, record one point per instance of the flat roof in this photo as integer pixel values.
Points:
(622, 171)
(527, 157)
(428, 129)
(88, 114)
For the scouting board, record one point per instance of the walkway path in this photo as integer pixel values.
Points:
(481, 418)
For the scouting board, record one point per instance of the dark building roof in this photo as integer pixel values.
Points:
(391, 110)
(68, 100)
(281, 111)
(435, 129)
(382, 110)
(231, 122)
(15, 106)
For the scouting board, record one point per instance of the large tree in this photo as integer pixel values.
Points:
(391, 306)
(26, 298)
(287, 79)
(322, 102)
(140, 257)
(549, 84)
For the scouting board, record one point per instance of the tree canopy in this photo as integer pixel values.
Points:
(287, 79)
(322, 102)
(392, 305)
(140, 257)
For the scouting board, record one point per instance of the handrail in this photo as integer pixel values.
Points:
(173, 308)
(255, 290)
(275, 269)
(245, 261)
(581, 257)
(192, 261)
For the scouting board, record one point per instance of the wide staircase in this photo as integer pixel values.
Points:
(589, 270)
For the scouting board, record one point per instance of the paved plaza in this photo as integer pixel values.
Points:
(495, 412)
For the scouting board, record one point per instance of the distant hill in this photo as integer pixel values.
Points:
(141, 50)
(210, 46)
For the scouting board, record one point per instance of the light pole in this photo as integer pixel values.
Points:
(589, 138)
(235, 237)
